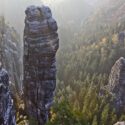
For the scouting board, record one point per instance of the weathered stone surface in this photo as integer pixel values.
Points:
(120, 123)
(7, 113)
(121, 37)
(117, 85)
(40, 46)
(10, 52)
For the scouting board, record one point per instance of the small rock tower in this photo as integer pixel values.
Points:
(41, 43)
(7, 112)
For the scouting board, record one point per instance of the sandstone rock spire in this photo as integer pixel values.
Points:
(41, 43)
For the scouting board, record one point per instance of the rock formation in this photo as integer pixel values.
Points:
(7, 113)
(121, 37)
(117, 85)
(40, 46)
(10, 52)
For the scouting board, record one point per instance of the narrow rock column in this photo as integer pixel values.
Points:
(7, 112)
(40, 46)
(116, 85)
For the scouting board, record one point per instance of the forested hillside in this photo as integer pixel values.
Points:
(109, 18)
(84, 67)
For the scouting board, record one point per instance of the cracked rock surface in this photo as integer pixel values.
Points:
(41, 43)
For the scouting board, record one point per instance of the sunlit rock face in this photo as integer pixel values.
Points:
(7, 112)
(40, 46)
(117, 85)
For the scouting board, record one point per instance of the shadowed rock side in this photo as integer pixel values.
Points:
(7, 113)
(40, 46)
(10, 52)
(117, 85)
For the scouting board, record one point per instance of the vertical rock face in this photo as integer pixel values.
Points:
(121, 37)
(40, 46)
(117, 85)
(10, 52)
(7, 114)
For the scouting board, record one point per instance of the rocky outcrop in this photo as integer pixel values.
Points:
(40, 46)
(7, 113)
(117, 85)
(121, 37)
(10, 52)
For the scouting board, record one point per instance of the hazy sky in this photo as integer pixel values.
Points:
(91, 2)
(13, 10)
(51, 1)
(7, 5)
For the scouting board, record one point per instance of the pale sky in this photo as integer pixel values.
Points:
(11, 9)
(50, 1)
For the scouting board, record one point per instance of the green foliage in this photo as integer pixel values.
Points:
(83, 74)
(64, 115)
(95, 121)
(104, 116)
(32, 121)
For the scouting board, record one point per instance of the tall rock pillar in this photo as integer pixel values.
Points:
(41, 43)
